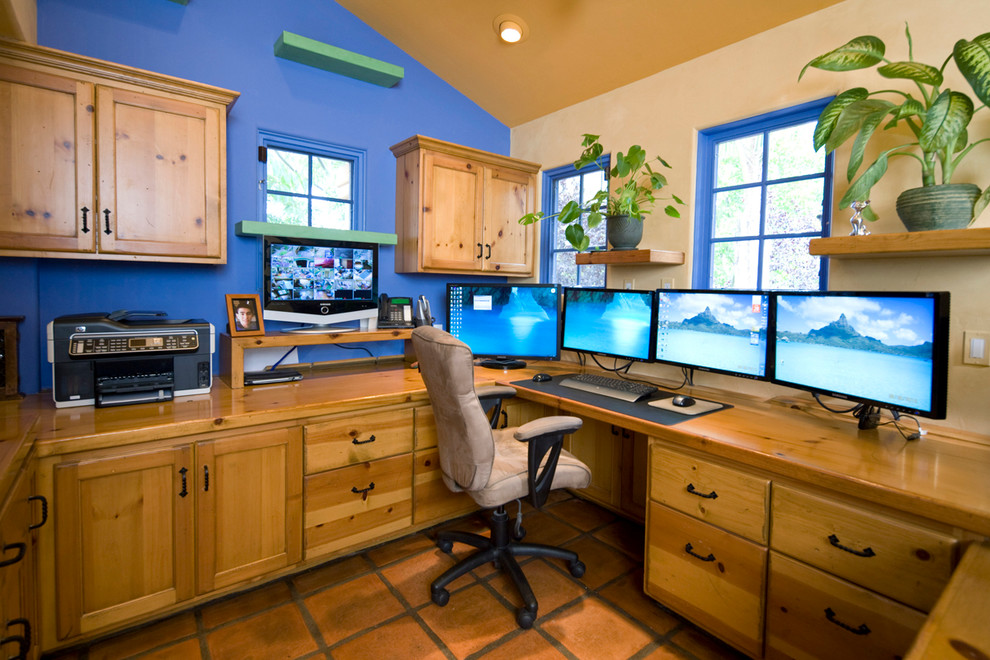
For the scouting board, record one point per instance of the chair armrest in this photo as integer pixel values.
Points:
(561, 424)
(494, 392)
(544, 438)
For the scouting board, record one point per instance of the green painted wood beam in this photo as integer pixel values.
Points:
(181, 2)
(314, 53)
(254, 228)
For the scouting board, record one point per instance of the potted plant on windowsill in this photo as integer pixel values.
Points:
(634, 185)
(938, 119)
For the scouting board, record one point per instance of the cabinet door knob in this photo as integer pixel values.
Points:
(44, 510)
(480, 250)
(488, 246)
(106, 217)
(184, 491)
(206, 478)
(84, 229)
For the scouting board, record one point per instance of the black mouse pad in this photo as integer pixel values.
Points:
(641, 409)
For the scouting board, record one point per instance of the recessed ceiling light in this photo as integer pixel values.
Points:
(510, 29)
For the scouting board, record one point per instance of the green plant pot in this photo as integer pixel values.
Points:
(623, 232)
(948, 206)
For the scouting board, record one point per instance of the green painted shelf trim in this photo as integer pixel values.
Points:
(254, 228)
(314, 53)
(181, 2)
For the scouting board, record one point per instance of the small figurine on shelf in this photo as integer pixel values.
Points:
(858, 224)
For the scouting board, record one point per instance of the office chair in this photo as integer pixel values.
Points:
(494, 466)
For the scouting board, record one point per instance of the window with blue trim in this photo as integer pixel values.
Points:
(762, 194)
(557, 260)
(310, 183)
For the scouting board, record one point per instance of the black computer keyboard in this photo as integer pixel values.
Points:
(617, 388)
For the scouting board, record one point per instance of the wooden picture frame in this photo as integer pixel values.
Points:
(248, 322)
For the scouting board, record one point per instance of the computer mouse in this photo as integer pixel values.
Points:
(682, 401)
(542, 378)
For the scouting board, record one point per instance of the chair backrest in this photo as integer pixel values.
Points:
(465, 441)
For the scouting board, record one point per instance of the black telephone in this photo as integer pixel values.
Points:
(395, 312)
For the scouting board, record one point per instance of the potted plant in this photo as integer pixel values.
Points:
(937, 118)
(634, 185)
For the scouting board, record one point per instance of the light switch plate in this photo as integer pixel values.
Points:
(976, 348)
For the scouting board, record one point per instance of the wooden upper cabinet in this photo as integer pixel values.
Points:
(102, 161)
(458, 209)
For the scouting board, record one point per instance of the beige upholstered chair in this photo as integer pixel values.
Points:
(494, 466)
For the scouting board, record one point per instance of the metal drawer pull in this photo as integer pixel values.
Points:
(27, 633)
(106, 216)
(84, 229)
(206, 478)
(862, 629)
(690, 550)
(710, 496)
(184, 491)
(865, 552)
(364, 442)
(44, 510)
(22, 645)
(363, 491)
(480, 251)
(21, 548)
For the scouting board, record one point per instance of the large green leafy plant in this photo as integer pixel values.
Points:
(633, 191)
(937, 118)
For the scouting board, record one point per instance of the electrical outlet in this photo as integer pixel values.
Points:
(667, 283)
(629, 284)
(976, 348)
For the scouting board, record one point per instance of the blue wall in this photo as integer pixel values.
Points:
(229, 43)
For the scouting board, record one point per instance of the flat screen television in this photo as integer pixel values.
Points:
(614, 323)
(888, 350)
(506, 323)
(319, 282)
(724, 331)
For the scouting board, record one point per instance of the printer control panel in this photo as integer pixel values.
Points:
(122, 343)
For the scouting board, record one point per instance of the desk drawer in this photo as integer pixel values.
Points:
(353, 439)
(432, 500)
(710, 576)
(903, 560)
(811, 614)
(729, 498)
(356, 504)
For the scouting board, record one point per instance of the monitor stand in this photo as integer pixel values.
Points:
(320, 329)
(502, 363)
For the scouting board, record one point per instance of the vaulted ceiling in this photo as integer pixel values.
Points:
(573, 49)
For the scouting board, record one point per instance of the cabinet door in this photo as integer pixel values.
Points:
(249, 504)
(453, 200)
(18, 612)
(160, 188)
(599, 446)
(509, 246)
(46, 163)
(125, 537)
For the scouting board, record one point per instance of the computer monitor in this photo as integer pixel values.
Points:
(888, 350)
(320, 282)
(506, 323)
(615, 323)
(724, 331)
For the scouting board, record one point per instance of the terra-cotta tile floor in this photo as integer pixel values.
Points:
(376, 604)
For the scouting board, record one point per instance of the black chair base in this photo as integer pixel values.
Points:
(501, 550)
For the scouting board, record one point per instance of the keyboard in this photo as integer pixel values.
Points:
(617, 388)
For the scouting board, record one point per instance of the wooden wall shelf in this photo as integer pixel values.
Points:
(939, 243)
(317, 54)
(631, 258)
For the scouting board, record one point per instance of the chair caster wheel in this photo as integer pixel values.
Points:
(576, 568)
(440, 597)
(445, 545)
(525, 618)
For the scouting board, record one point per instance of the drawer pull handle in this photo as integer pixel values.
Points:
(865, 552)
(708, 496)
(106, 216)
(363, 491)
(22, 645)
(364, 442)
(184, 491)
(44, 510)
(206, 478)
(690, 550)
(20, 547)
(862, 629)
(84, 229)
(27, 633)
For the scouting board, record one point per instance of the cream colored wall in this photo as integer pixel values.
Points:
(664, 112)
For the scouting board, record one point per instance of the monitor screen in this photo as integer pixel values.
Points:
(723, 331)
(616, 323)
(319, 281)
(506, 322)
(883, 349)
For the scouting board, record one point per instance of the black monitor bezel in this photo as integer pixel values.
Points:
(940, 351)
(653, 323)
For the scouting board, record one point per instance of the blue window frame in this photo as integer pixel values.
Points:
(557, 259)
(310, 183)
(762, 195)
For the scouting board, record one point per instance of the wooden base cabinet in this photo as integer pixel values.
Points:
(23, 513)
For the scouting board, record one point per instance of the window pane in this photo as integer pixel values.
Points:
(737, 213)
(592, 275)
(739, 161)
(791, 152)
(564, 270)
(735, 264)
(596, 234)
(593, 182)
(331, 178)
(288, 171)
(787, 265)
(567, 190)
(331, 215)
(287, 210)
(795, 207)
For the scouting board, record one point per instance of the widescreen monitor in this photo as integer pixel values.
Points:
(723, 331)
(506, 323)
(615, 323)
(883, 349)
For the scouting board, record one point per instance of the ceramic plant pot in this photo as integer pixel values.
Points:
(623, 232)
(948, 206)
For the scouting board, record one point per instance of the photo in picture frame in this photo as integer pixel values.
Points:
(243, 315)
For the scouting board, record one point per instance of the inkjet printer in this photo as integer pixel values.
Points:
(128, 357)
